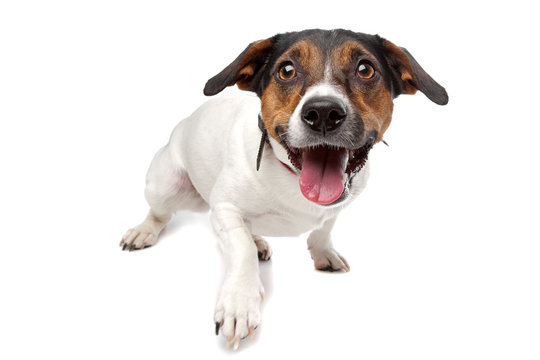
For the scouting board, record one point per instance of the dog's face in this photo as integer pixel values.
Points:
(326, 99)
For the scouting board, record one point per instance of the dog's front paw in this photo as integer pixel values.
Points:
(264, 250)
(238, 309)
(138, 238)
(145, 234)
(328, 259)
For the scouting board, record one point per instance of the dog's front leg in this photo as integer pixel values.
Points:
(322, 250)
(238, 305)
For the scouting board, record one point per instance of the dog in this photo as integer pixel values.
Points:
(281, 163)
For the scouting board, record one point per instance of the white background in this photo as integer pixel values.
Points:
(443, 244)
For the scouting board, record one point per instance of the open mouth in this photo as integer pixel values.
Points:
(326, 171)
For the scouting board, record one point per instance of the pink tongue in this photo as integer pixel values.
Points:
(321, 180)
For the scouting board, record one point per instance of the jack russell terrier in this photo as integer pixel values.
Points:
(284, 162)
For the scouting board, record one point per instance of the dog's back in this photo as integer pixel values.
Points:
(214, 135)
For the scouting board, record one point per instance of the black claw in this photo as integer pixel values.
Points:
(124, 247)
(263, 255)
(137, 249)
(329, 268)
(218, 325)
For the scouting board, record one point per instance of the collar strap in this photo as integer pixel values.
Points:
(261, 123)
(264, 140)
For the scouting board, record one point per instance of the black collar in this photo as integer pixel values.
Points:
(264, 140)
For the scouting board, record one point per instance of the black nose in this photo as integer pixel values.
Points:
(324, 114)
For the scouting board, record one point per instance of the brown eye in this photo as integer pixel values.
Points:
(365, 71)
(287, 71)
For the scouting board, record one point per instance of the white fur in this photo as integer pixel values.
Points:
(210, 161)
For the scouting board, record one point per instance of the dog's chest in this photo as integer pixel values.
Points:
(285, 223)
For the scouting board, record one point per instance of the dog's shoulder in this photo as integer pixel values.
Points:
(233, 104)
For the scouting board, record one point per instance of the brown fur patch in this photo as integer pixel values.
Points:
(341, 57)
(375, 109)
(372, 99)
(279, 101)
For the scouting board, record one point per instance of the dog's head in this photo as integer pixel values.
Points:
(326, 99)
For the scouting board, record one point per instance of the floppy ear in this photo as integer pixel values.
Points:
(408, 75)
(242, 71)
